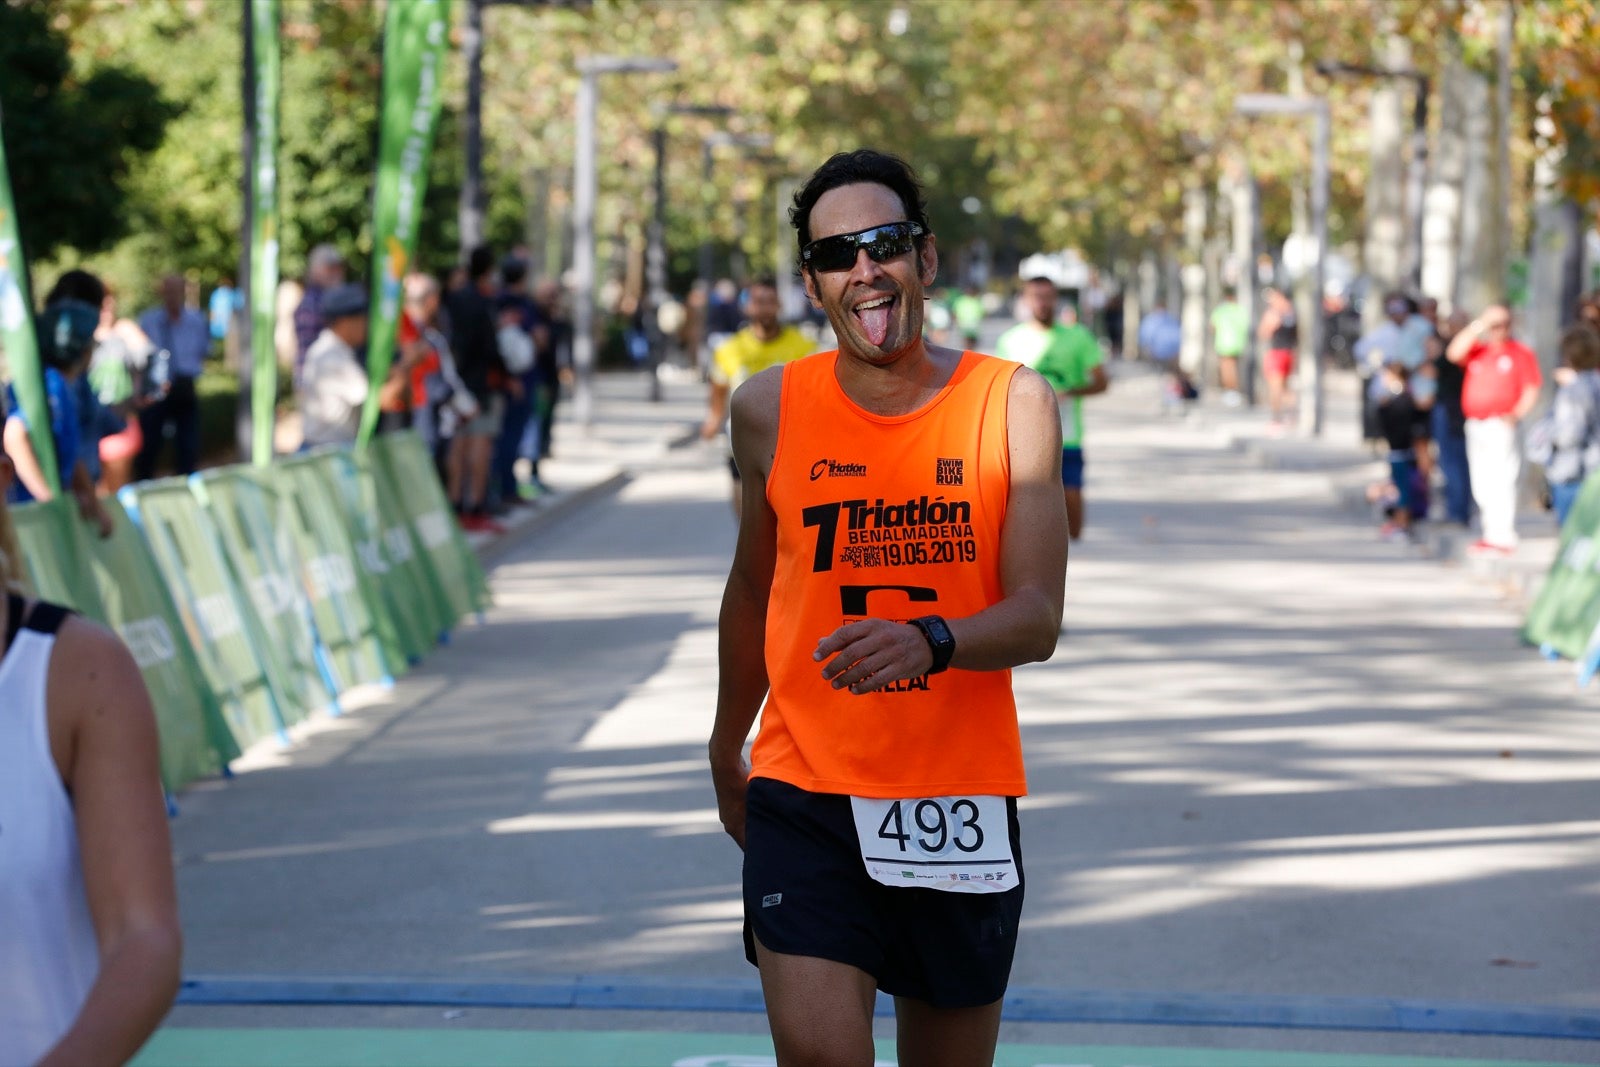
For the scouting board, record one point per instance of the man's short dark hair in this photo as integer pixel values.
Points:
(480, 261)
(513, 271)
(864, 165)
(77, 284)
(1040, 279)
(763, 281)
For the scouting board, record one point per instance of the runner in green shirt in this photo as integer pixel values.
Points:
(1069, 358)
(967, 308)
(1230, 334)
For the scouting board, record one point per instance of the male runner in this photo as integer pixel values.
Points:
(1069, 358)
(764, 343)
(902, 544)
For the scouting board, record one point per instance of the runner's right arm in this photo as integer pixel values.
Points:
(741, 633)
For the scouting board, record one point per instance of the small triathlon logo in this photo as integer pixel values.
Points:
(771, 899)
(835, 469)
(949, 472)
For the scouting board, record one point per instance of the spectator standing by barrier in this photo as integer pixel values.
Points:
(521, 329)
(553, 361)
(1499, 388)
(182, 340)
(333, 385)
(90, 945)
(1397, 418)
(1450, 425)
(1230, 336)
(440, 401)
(477, 355)
(1572, 426)
(1067, 356)
(325, 271)
(117, 373)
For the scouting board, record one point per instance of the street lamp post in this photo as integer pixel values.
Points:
(583, 199)
(1417, 171)
(1316, 108)
(656, 253)
(710, 142)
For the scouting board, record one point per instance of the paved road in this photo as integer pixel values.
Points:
(1271, 756)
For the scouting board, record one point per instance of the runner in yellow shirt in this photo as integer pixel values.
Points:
(764, 343)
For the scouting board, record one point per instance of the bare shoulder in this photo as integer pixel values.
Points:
(94, 682)
(1030, 392)
(758, 399)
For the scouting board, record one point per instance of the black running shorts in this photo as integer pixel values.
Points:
(807, 893)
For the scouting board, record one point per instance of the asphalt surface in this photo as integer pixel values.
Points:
(1272, 757)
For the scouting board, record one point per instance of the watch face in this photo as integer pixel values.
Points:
(937, 629)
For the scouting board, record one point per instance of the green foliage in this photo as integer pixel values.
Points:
(72, 139)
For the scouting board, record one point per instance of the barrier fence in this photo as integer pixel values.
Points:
(254, 597)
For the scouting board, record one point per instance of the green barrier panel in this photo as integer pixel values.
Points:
(393, 572)
(228, 638)
(195, 741)
(1567, 610)
(55, 555)
(243, 508)
(344, 615)
(403, 459)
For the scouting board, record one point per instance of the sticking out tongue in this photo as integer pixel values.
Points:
(875, 321)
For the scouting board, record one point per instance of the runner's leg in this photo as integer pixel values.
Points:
(820, 1011)
(945, 1037)
(1074, 513)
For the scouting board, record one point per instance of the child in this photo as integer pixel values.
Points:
(1397, 417)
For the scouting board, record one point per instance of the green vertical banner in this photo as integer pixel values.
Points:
(16, 332)
(264, 230)
(415, 43)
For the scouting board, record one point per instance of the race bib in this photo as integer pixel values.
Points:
(958, 844)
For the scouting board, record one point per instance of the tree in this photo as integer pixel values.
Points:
(72, 138)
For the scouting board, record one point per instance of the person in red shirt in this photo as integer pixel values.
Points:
(1501, 386)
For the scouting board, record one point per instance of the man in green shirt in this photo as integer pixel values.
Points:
(1068, 356)
(1230, 334)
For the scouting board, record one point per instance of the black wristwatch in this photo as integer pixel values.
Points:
(940, 639)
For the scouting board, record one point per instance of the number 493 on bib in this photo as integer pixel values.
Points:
(957, 844)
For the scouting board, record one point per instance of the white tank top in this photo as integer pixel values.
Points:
(48, 953)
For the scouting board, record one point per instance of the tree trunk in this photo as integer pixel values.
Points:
(1384, 246)
(1478, 279)
(1192, 354)
(1441, 225)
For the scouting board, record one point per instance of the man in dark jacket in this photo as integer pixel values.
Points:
(477, 356)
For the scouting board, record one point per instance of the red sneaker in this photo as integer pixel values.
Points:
(1489, 550)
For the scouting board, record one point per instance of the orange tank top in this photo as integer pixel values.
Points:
(887, 517)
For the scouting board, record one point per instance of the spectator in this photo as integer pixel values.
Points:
(554, 362)
(1279, 329)
(66, 339)
(440, 401)
(325, 271)
(225, 300)
(477, 355)
(1574, 419)
(967, 310)
(333, 386)
(182, 340)
(1499, 388)
(1589, 310)
(1230, 336)
(1450, 425)
(117, 374)
(521, 330)
(1397, 416)
(90, 945)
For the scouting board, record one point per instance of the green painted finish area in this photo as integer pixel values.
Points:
(535, 1048)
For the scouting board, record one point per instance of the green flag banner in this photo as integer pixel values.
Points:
(1567, 609)
(264, 231)
(17, 336)
(415, 42)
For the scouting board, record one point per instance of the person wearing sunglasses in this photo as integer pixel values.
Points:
(1499, 388)
(902, 544)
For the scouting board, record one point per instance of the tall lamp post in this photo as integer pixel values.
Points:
(1417, 171)
(1315, 108)
(583, 198)
(711, 142)
(656, 254)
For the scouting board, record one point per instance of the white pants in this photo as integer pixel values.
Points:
(1495, 462)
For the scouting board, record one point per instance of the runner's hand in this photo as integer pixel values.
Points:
(732, 782)
(870, 654)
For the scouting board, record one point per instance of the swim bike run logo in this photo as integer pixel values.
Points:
(877, 533)
(832, 468)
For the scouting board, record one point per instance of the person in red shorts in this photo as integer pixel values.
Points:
(1500, 387)
(1281, 332)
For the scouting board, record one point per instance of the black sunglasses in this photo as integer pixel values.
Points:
(882, 243)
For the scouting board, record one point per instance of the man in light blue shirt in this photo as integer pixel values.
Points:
(182, 337)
